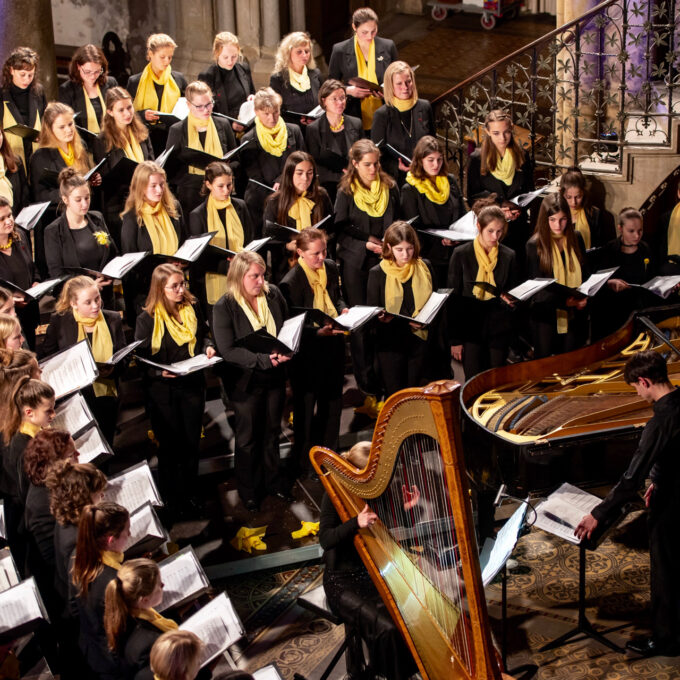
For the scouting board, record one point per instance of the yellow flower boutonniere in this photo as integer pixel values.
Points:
(646, 261)
(102, 238)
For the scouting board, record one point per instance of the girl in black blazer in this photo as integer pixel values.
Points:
(270, 143)
(330, 137)
(16, 267)
(365, 55)
(86, 87)
(229, 217)
(296, 77)
(366, 204)
(172, 328)
(317, 370)
(157, 87)
(79, 315)
(298, 203)
(403, 119)
(229, 77)
(401, 284)
(555, 250)
(255, 381)
(22, 100)
(481, 321)
(433, 195)
(103, 533)
(586, 218)
(198, 131)
(13, 183)
(123, 136)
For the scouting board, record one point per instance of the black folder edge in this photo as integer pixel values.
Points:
(8, 636)
(260, 184)
(104, 455)
(235, 120)
(122, 353)
(93, 170)
(136, 466)
(148, 543)
(34, 221)
(358, 81)
(410, 319)
(188, 549)
(23, 131)
(398, 154)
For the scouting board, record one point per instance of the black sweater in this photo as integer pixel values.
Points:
(294, 100)
(225, 102)
(325, 145)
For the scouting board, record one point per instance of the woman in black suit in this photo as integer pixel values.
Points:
(364, 55)
(433, 195)
(22, 100)
(229, 77)
(403, 119)
(13, 183)
(270, 143)
(586, 217)
(229, 217)
(157, 87)
(317, 370)
(173, 329)
(78, 316)
(198, 131)
(481, 321)
(330, 137)
(87, 85)
(296, 77)
(555, 250)
(255, 381)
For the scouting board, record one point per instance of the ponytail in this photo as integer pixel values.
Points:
(27, 392)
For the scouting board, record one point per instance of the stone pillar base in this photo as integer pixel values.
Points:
(411, 6)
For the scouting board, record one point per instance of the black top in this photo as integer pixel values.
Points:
(16, 481)
(343, 65)
(480, 185)
(230, 88)
(632, 267)
(45, 166)
(133, 84)
(65, 247)
(656, 456)
(330, 149)
(73, 94)
(40, 522)
(337, 539)
(20, 188)
(17, 100)
(293, 99)
(135, 647)
(65, 537)
(593, 217)
(18, 268)
(135, 237)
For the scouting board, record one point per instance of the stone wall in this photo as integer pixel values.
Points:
(79, 22)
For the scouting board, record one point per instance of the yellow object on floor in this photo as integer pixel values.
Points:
(371, 407)
(249, 539)
(307, 529)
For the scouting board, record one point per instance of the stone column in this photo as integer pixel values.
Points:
(195, 32)
(271, 34)
(297, 15)
(248, 27)
(225, 16)
(38, 33)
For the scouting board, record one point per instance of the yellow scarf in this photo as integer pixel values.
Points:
(317, 281)
(578, 217)
(373, 201)
(569, 276)
(6, 190)
(154, 618)
(263, 318)
(505, 168)
(132, 149)
(146, 97)
(102, 348)
(437, 193)
(183, 333)
(70, 157)
(404, 104)
(161, 230)
(92, 122)
(300, 81)
(272, 140)
(301, 212)
(486, 263)
(232, 238)
(674, 232)
(112, 559)
(212, 141)
(29, 428)
(366, 70)
(16, 142)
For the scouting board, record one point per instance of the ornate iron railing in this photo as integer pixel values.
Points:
(583, 92)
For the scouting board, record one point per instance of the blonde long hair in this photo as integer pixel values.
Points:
(237, 270)
(290, 41)
(47, 139)
(140, 181)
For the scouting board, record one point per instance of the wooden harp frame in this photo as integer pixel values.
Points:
(432, 411)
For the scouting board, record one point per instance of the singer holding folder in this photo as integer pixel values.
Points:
(314, 283)
(13, 182)
(172, 328)
(255, 382)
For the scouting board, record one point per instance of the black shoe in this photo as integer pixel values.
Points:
(251, 505)
(648, 646)
(285, 496)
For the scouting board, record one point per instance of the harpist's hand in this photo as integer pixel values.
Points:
(586, 527)
(366, 517)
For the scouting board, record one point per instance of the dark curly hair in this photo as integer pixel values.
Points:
(71, 487)
(21, 58)
(46, 448)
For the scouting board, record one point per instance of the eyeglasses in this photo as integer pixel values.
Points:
(337, 99)
(175, 288)
(203, 107)
(91, 73)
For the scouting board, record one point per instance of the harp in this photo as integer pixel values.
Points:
(421, 553)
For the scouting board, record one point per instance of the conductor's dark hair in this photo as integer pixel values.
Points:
(648, 364)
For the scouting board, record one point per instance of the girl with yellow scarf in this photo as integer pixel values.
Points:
(586, 218)
(557, 251)
(172, 328)
(400, 284)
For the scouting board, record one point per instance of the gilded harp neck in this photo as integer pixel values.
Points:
(421, 554)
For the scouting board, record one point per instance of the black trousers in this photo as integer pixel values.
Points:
(477, 357)
(189, 193)
(547, 341)
(175, 407)
(257, 429)
(401, 364)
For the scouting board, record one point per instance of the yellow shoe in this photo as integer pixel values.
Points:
(378, 408)
(368, 407)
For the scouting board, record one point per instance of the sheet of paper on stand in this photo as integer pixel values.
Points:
(92, 446)
(561, 512)
(146, 532)
(9, 574)
(133, 487)
(183, 578)
(73, 415)
(496, 552)
(70, 370)
(21, 606)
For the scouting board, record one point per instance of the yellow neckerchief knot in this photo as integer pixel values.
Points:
(160, 228)
(578, 217)
(146, 97)
(569, 276)
(29, 428)
(70, 156)
(300, 81)
(366, 70)
(102, 348)
(437, 191)
(248, 539)
(155, 619)
(317, 280)
(301, 212)
(307, 529)
(112, 559)
(212, 145)
(273, 140)
(262, 318)
(486, 263)
(505, 168)
(374, 200)
(183, 332)
(133, 149)
(229, 235)
(404, 104)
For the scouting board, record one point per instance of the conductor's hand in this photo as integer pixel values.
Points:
(586, 527)
(648, 494)
(366, 517)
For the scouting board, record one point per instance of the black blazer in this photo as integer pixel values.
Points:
(294, 100)
(65, 537)
(230, 324)
(480, 185)
(60, 248)
(135, 237)
(271, 209)
(21, 254)
(262, 166)
(343, 65)
(133, 84)
(135, 647)
(20, 188)
(212, 77)
(298, 293)
(44, 162)
(36, 104)
(387, 126)
(318, 137)
(353, 225)
(73, 94)
(40, 523)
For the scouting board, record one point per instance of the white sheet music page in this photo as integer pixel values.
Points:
(357, 315)
(133, 487)
(525, 290)
(496, 552)
(9, 576)
(595, 281)
(182, 576)
(20, 605)
(143, 522)
(90, 445)
(121, 265)
(561, 512)
(257, 243)
(70, 370)
(267, 673)
(291, 331)
(193, 247)
(431, 307)
(36, 291)
(73, 414)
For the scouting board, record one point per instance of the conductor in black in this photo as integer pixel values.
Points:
(657, 455)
